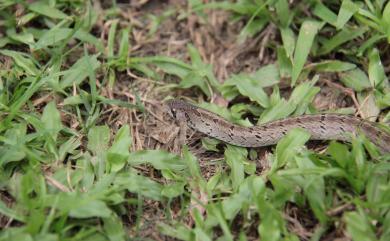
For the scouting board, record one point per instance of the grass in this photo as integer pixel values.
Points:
(83, 154)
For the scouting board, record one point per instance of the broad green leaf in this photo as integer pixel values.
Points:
(202, 73)
(111, 38)
(368, 106)
(201, 234)
(173, 190)
(78, 205)
(4, 41)
(9, 212)
(325, 14)
(113, 226)
(300, 99)
(53, 36)
(285, 66)
(98, 138)
(305, 40)
(229, 92)
(51, 119)
(79, 71)
(161, 59)
(279, 111)
(372, 148)
(376, 72)
(139, 184)
(256, 22)
(12, 146)
(46, 236)
(386, 20)
(358, 173)
(283, 189)
(24, 37)
(210, 144)
(247, 84)
(288, 38)
(387, 117)
(142, 68)
(314, 187)
(236, 157)
(289, 146)
(193, 167)
(347, 10)
(16, 233)
(216, 211)
(35, 220)
(320, 171)
(377, 187)
(345, 35)
(247, 190)
(196, 59)
(282, 10)
(355, 79)
(118, 153)
(340, 153)
(384, 100)
(23, 20)
(87, 171)
(42, 8)
(240, 109)
(225, 113)
(26, 63)
(104, 183)
(369, 43)
(250, 88)
(35, 84)
(315, 193)
(194, 79)
(89, 38)
(303, 95)
(179, 231)
(358, 226)
(159, 159)
(275, 96)
(88, 208)
(266, 76)
(120, 103)
(271, 225)
(241, 7)
(171, 65)
(386, 15)
(73, 100)
(333, 66)
(124, 45)
(253, 26)
(386, 228)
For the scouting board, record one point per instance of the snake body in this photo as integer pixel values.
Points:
(320, 126)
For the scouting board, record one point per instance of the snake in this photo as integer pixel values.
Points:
(323, 126)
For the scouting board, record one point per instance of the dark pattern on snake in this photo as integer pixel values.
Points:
(320, 126)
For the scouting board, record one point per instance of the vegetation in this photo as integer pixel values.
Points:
(86, 152)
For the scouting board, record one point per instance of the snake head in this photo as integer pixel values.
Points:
(174, 108)
(171, 109)
(177, 109)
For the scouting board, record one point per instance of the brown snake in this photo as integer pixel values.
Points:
(320, 126)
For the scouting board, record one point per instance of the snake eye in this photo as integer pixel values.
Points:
(172, 112)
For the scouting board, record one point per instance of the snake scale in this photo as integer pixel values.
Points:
(320, 126)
